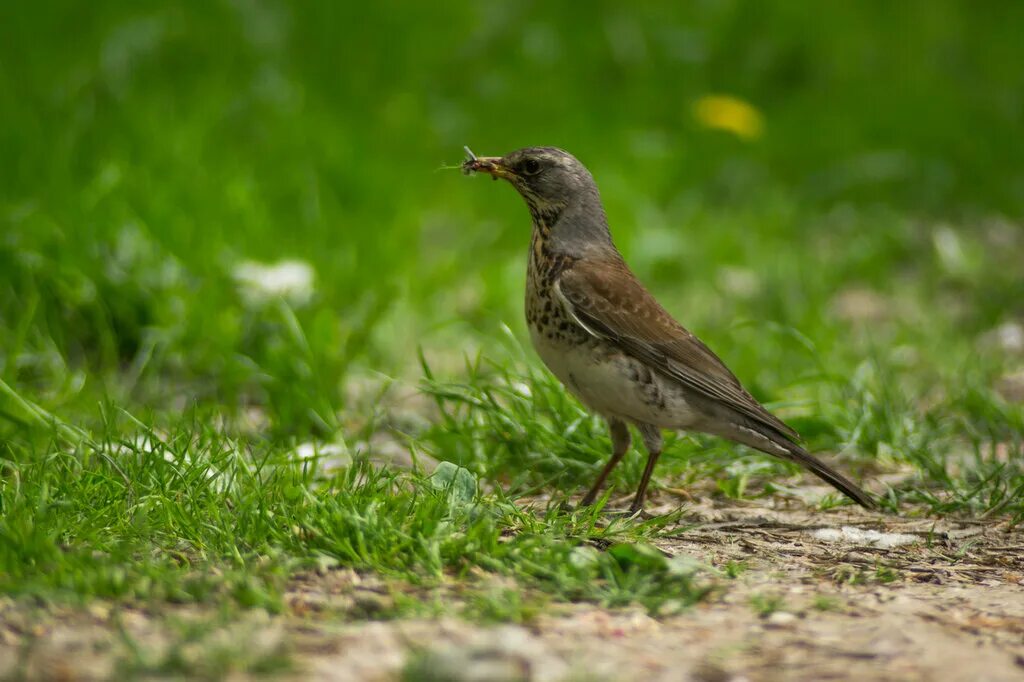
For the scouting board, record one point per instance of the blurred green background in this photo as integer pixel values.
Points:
(869, 197)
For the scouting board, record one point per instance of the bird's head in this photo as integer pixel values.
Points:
(561, 195)
(549, 179)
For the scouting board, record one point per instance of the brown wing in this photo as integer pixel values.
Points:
(611, 303)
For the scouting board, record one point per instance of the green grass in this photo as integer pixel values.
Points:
(850, 265)
(202, 517)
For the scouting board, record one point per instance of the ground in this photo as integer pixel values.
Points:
(799, 595)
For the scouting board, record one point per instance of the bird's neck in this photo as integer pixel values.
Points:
(578, 229)
(544, 216)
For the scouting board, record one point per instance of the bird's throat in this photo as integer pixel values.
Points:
(539, 238)
(544, 215)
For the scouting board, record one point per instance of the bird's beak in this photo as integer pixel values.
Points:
(492, 165)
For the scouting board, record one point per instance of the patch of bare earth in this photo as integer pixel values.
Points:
(840, 594)
(820, 595)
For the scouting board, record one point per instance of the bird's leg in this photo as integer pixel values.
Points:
(620, 443)
(652, 441)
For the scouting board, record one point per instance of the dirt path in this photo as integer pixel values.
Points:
(842, 594)
(821, 595)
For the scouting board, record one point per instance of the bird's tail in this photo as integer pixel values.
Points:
(830, 476)
(765, 440)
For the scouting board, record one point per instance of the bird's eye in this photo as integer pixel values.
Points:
(531, 166)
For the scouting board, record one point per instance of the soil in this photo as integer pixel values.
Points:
(838, 594)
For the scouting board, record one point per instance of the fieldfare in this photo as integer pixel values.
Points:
(611, 343)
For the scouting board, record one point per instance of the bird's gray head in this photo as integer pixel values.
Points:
(559, 191)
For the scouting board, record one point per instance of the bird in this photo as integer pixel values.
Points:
(610, 342)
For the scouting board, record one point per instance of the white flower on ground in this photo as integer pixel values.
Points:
(291, 280)
(216, 466)
(331, 456)
(1009, 337)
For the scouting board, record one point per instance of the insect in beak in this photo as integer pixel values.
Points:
(489, 164)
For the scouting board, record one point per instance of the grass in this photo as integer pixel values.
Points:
(853, 264)
(201, 517)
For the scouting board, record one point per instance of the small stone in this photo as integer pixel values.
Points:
(370, 604)
(502, 654)
(858, 536)
(781, 619)
(710, 671)
(99, 610)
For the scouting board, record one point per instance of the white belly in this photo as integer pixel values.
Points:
(615, 385)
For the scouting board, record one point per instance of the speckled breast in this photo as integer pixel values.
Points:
(545, 315)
